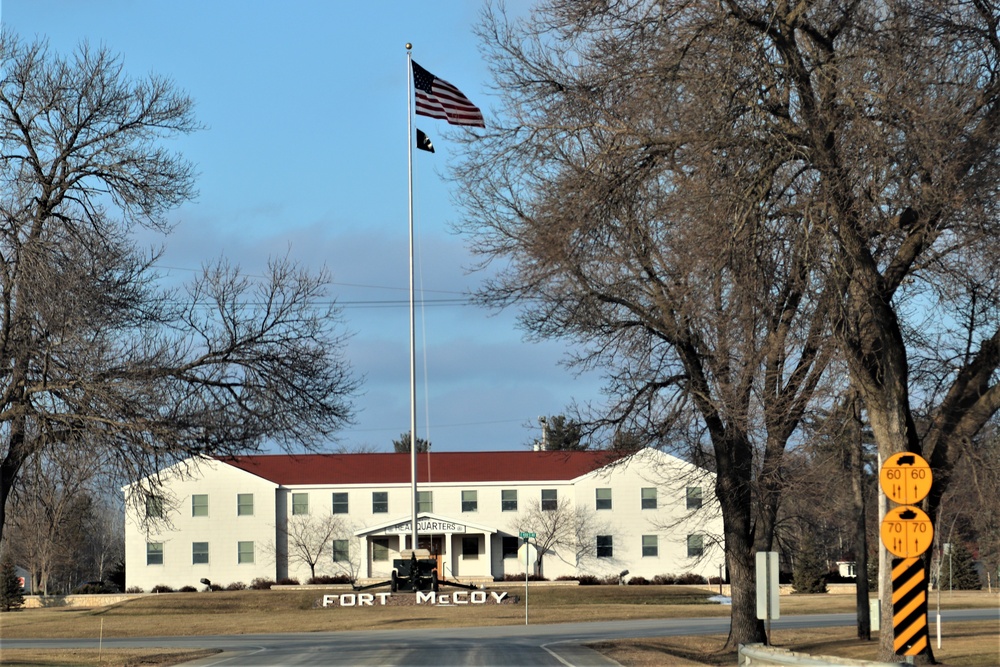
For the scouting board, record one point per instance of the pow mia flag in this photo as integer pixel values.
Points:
(424, 142)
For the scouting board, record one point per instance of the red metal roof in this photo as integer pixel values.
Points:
(437, 467)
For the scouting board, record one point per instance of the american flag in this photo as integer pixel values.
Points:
(439, 99)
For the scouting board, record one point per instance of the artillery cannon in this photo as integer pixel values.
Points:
(417, 570)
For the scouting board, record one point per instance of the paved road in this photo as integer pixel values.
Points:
(557, 644)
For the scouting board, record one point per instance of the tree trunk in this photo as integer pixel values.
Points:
(856, 470)
(862, 599)
(732, 488)
(11, 466)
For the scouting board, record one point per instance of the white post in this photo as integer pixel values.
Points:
(526, 550)
(767, 568)
(413, 327)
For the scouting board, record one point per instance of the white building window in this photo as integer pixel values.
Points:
(470, 547)
(648, 498)
(244, 552)
(199, 504)
(154, 507)
(694, 497)
(603, 499)
(508, 500)
(199, 553)
(340, 503)
(244, 504)
(470, 501)
(154, 553)
(300, 503)
(550, 500)
(696, 545)
(509, 546)
(380, 502)
(605, 546)
(650, 546)
(425, 501)
(380, 548)
(341, 551)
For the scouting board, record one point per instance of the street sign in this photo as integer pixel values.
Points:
(524, 536)
(907, 531)
(905, 478)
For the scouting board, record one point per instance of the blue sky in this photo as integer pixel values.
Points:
(305, 153)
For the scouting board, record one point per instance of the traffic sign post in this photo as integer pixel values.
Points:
(525, 536)
(907, 532)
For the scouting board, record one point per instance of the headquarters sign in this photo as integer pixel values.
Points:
(424, 526)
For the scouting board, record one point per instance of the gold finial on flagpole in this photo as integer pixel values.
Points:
(409, 46)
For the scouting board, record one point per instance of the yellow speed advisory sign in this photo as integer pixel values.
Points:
(907, 531)
(905, 478)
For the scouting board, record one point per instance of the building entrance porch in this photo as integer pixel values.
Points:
(463, 549)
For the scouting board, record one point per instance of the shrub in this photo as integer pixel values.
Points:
(288, 582)
(214, 587)
(638, 581)
(161, 588)
(664, 580)
(691, 579)
(520, 577)
(187, 589)
(261, 584)
(117, 575)
(567, 577)
(134, 589)
(326, 579)
(588, 580)
(236, 586)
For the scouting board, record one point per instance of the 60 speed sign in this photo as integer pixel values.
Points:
(906, 478)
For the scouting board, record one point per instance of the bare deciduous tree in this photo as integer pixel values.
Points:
(309, 537)
(566, 531)
(51, 518)
(704, 191)
(601, 184)
(92, 349)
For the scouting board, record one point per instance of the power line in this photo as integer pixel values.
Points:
(436, 426)
(332, 282)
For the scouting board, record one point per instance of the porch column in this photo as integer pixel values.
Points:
(488, 538)
(449, 567)
(368, 555)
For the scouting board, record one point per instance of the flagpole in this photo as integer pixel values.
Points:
(413, 326)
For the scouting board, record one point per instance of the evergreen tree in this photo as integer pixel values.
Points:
(401, 445)
(963, 570)
(561, 434)
(809, 575)
(11, 592)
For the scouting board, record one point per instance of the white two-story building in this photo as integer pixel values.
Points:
(592, 513)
